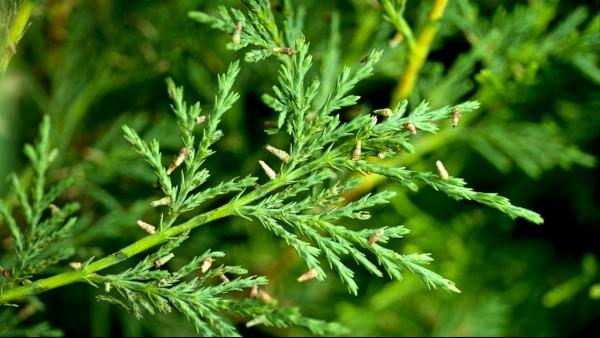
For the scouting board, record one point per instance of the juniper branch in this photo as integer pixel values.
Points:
(298, 203)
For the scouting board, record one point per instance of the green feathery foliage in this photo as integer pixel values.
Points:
(303, 199)
(44, 239)
(145, 287)
(321, 142)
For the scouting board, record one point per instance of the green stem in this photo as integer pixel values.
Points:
(154, 240)
(397, 19)
(419, 53)
(15, 33)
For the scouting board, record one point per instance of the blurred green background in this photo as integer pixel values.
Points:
(533, 65)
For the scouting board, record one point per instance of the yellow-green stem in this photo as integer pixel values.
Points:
(419, 54)
(15, 32)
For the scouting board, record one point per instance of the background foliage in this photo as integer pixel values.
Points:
(96, 65)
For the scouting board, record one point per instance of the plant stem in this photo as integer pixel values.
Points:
(402, 27)
(418, 55)
(15, 32)
(148, 242)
